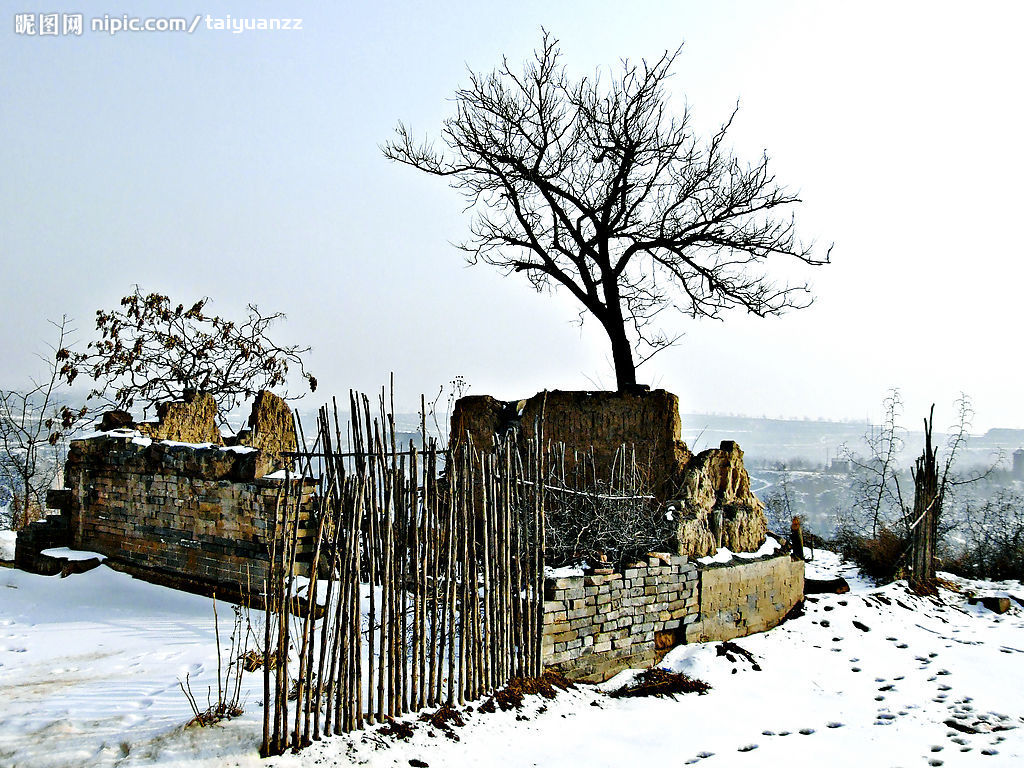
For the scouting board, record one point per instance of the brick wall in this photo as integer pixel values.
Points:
(742, 598)
(595, 626)
(190, 516)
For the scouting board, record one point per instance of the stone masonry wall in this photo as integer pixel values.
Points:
(596, 626)
(192, 517)
(740, 599)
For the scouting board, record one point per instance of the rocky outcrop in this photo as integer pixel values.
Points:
(271, 428)
(192, 421)
(716, 507)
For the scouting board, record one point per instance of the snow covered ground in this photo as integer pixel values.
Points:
(89, 668)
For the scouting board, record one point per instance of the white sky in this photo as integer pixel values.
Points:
(247, 168)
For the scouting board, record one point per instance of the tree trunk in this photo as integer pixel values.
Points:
(927, 507)
(622, 351)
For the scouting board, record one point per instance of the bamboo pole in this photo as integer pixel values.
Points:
(450, 585)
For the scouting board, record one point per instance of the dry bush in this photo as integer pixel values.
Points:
(879, 558)
(993, 545)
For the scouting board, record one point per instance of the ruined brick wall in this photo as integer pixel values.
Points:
(191, 517)
(596, 626)
(742, 598)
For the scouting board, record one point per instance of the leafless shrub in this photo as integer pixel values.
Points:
(993, 535)
(614, 520)
(229, 677)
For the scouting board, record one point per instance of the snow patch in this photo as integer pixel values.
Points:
(65, 553)
(724, 554)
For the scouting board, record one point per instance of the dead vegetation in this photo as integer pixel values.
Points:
(660, 682)
(512, 695)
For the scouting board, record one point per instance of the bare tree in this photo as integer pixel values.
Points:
(595, 185)
(876, 479)
(34, 425)
(906, 530)
(154, 351)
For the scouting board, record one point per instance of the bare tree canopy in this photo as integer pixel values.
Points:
(153, 351)
(34, 425)
(596, 185)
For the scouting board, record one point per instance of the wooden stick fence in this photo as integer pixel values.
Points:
(431, 581)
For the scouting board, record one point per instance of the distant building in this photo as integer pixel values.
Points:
(1018, 464)
(841, 466)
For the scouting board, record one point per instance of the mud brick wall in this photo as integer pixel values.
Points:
(742, 598)
(595, 626)
(192, 517)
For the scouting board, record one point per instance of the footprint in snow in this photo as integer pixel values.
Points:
(834, 725)
(935, 761)
(937, 747)
(747, 748)
(703, 755)
(806, 731)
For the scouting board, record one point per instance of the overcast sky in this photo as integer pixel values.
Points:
(246, 167)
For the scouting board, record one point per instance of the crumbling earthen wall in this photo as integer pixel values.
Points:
(596, 626)
(194, 421)
(716, 507)
(599, 422)
(192, 516)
